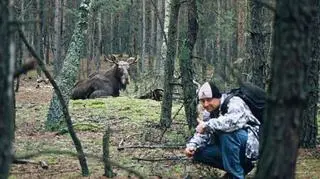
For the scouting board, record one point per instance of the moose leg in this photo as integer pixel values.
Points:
(99, 94)
(82, 90)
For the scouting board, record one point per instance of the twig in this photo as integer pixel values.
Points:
(152, 147)
(160, 159)
(120, 143)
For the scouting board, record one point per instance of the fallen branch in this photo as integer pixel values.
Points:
(71, 153)
(160, 159)
(152, 147)
(42, 164)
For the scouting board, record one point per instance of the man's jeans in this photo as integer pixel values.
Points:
(227, 154)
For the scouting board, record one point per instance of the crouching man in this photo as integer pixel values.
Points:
(226, 141)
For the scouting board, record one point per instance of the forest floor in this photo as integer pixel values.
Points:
(133, 122)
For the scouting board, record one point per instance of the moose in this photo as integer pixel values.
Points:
(108, 84)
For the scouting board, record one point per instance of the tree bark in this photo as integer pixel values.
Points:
(7, 58)
(287, 93)
(160, 35)
(69, 72)
(106, 158)
(309, 126)
(260, 34)
(166, 107)
(144, 41)
(187, 71)
(57, 37)
(241, 25)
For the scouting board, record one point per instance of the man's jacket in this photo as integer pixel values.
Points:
(237, 117)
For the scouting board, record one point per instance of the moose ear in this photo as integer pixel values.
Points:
(132, 60)
(111, 59)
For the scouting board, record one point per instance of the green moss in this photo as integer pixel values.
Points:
(87, 126)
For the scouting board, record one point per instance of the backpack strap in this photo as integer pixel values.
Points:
(232, 93)
(224, 105)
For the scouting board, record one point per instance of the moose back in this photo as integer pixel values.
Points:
(108, 84)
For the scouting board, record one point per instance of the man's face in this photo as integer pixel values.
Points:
(210, 104)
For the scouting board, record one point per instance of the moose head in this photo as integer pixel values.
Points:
(108, 84)
(121, 67)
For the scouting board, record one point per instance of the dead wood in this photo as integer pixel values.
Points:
(42, 164)
(161, 159)
(152, 147)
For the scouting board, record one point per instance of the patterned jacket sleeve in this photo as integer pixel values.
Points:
(200, 140)
(235, 118)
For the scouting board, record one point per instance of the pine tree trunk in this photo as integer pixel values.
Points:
(309, 126)
(57, 37)
(260, 34)
(187, 74)
(291, 51)
(160, 25)
(39, 32)
(153, 35)
(68, 75)
(241, 25)
(166, 107)
(7, 58)
(143, 48)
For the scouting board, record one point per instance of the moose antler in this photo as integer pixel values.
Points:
(132, 60)
(111, 59)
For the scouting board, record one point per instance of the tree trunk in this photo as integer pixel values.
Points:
(39, 32)
(164, 46)
(287, 94)
(106, 151)
(7, 58)
(241, 25)
(69, 72)
(309, 126)
(166, 107)
(143, 48)
(187, 71)
(100, 41)
(203, 63)
(153, 36)
(57, 37)
(260, 34)
(160, 24)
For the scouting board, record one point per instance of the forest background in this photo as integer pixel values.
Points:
(272, 44)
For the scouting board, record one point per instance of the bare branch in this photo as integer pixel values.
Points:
(152, 147)
(160, 159)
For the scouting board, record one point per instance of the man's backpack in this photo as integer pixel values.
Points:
(252, 95)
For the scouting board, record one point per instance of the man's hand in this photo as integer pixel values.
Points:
(201, 126)
(189, 151)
